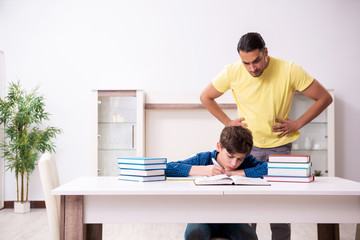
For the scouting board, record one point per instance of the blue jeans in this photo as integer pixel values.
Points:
(205, 231)
(280, 231)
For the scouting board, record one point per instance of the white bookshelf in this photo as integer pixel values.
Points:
(319, 134)
(178, 126)
(118, 128)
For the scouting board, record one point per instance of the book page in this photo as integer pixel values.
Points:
(240, 180)
(217, 179)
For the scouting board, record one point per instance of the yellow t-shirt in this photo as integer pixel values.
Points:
(261, 100)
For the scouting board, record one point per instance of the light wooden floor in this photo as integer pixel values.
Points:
(34, 226)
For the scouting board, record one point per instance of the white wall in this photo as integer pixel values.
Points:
(69, 47)
(181, 133)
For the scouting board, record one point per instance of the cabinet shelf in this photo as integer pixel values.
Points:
(185, 106)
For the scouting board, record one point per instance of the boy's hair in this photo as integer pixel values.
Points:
(236, 139)
(250, 42)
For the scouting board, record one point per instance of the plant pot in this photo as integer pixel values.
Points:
(20, 207)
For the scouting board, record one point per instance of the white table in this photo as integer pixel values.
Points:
(87, 202)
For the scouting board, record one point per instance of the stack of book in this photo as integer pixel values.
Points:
(289, 168)
(142, 169)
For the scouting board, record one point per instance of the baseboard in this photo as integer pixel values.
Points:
(33, 204)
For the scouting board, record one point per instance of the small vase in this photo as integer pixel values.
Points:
(307, 143)
(21, 207)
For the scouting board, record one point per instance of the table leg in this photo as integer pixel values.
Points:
(94, 231)
(71, 218)
(328, 231)
(357, 236)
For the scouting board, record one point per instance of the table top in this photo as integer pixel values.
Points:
(113, 186)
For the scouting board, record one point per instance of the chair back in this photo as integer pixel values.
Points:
(50, 180)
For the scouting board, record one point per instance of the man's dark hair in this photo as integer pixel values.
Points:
(250, 42)
(236, 139)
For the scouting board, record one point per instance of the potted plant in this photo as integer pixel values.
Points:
(21, 116)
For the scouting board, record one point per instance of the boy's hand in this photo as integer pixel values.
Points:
(213, 170)
(209, 170)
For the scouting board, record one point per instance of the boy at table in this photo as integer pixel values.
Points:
(231, 157)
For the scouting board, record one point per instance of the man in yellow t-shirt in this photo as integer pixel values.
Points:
(263, 88)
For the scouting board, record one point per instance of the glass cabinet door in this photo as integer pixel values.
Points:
(118, 126)
(316, 138)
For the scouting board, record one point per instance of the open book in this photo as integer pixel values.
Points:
(223, 179)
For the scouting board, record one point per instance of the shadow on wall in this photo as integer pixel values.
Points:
(347, 118)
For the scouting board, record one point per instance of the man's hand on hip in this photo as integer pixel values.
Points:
(286, 127)
(237, 122)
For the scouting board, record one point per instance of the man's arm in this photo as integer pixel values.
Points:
(322, 100)
(208, 97)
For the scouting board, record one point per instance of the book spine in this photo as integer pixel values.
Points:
(270, 180)
(282, 175)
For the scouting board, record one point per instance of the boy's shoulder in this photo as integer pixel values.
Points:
(250, 156)
(207, 155)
